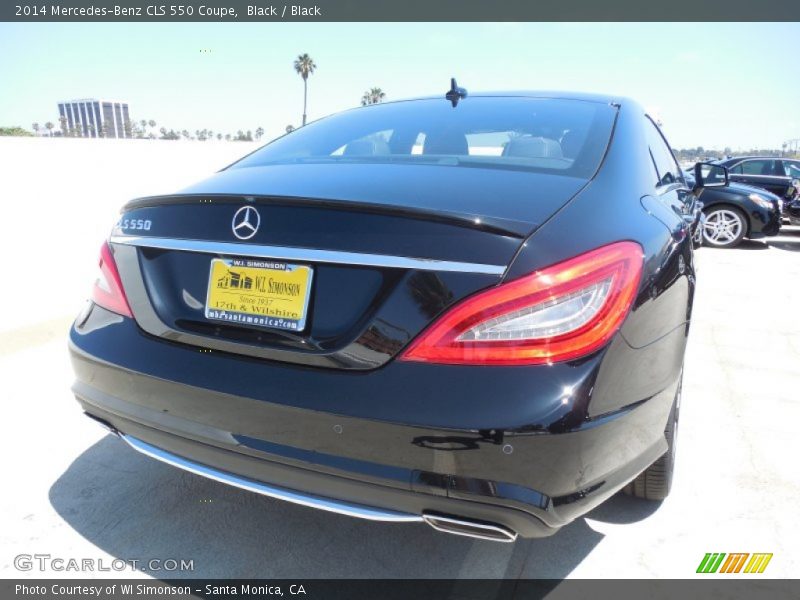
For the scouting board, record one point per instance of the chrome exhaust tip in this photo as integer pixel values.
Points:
(469, 528)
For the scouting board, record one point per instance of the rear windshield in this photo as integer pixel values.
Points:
(559, 136)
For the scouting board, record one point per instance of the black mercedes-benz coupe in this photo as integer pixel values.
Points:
(467, 310)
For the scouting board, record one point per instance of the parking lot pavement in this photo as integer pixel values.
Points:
(79, 493)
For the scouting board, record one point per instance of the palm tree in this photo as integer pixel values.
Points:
(49, 126)
(62, 121)
(35, 128)
(372, 96)
(304, 66)
(151, 123)
(259, 133)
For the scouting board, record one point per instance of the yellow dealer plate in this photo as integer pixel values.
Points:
(258, 293)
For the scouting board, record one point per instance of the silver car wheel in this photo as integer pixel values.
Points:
(723, 227)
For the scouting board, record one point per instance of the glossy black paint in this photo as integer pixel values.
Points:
(760, 221)
(399, 424)
(773, 174)
(368, 310)
(401, 435)
(792, 211)
(369, 313)
(515, 202)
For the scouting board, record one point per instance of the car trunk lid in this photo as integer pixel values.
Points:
(385, 251)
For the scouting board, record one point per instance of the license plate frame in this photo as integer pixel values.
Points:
(260, 304)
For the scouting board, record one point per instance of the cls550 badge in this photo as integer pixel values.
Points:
(134, 224)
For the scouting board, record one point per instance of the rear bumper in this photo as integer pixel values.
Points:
(525, 480)
(313, 487)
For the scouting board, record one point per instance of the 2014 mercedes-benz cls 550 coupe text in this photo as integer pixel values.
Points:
(467, 310)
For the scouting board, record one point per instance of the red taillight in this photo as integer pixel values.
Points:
(107, 290)
(559, 313)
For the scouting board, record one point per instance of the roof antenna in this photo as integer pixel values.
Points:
(455, 93)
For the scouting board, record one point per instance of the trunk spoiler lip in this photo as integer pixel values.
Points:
(497, 225)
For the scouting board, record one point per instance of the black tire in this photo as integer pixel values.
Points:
(724, 213)
(655, 482)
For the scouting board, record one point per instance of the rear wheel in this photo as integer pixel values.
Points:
(724, 227)
(655, 482)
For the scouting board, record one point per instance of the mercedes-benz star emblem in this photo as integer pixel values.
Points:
(246, 221)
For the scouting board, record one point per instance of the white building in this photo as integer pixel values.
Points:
(96, 118)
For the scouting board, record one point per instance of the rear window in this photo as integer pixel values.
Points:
(559, 136)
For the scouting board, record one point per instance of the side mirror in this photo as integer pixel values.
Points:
(710, 175)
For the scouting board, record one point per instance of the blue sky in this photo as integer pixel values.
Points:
(713, 85)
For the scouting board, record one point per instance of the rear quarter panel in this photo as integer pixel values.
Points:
(646, 356)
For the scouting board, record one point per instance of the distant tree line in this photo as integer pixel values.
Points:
(15, 131)
(146, 129)
(140, 130)
(700, 153)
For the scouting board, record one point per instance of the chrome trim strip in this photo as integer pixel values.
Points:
(494, 533)
(306, 254)
(779, 177)
(336, 506)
